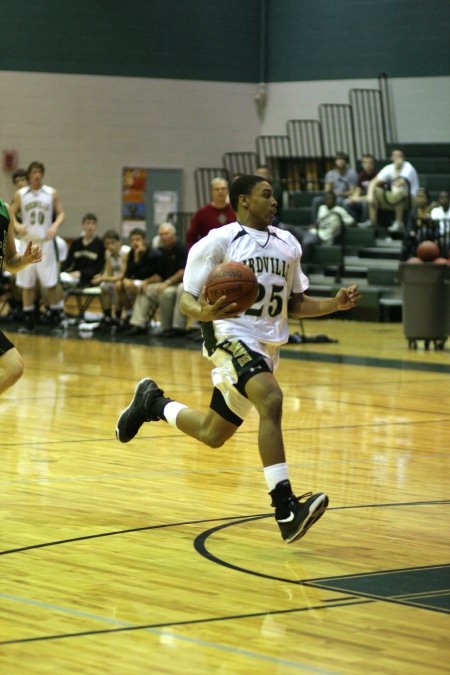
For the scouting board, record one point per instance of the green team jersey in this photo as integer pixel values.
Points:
(4, 225)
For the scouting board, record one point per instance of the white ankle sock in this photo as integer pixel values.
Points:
(275, 473)
(171, 411)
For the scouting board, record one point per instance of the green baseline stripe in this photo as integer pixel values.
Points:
(286, 352)
(371, 361)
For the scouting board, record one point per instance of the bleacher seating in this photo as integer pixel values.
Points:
(298, 161)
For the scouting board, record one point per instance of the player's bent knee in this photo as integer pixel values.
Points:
(17, 367)
(215, 442)
(214, 439)
(12, 367)
(216, 436)
(272, 404)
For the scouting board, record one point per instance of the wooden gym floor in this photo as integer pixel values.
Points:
(161, 556)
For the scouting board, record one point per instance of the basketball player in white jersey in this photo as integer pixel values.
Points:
(11, 362)
(244, 348)
(37, 205)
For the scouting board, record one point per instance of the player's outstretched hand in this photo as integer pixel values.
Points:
(32, 254)
(221, 309)
(347, 298)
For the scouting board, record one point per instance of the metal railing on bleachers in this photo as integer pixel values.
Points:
(272, 146)
(203, 177)
(240, 162)
(388, 112)
(338, 129)
(369, 122)
(307, 167)
(305, 138)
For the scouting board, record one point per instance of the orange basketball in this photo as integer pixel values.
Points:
(428, 251)
(234, 280)
(414, 261)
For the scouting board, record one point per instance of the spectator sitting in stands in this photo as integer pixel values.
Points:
(142, 269)
(394, 188)
(215, 214)
(330, 220)
(86, 256)
(165, 293)
(116, 256)
(341, 181)
(418, 227)
(356, 203)
(441, 213)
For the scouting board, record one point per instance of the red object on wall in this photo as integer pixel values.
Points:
(10, 160)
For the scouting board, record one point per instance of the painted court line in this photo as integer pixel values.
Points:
(162, 632)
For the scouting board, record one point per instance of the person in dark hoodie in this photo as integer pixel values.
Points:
(86, 256)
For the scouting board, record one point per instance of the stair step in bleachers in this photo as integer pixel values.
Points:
(434, 182)
(424, 165)
(356, 237)
(383, 276)
(356, 262)
(356, 273)
(420, 149)
(296, 216)
(367, 310)
(379, 302)
(298, 163)
(379, 252)
(298, 198)
(327, 255)
(391, 309)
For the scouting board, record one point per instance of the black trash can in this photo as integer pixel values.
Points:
(426, 300)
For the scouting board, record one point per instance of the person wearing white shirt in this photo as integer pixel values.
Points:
(331, 218)
(394, 188)
(441, 213)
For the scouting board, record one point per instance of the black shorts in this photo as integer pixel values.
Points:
(5, 344)
(252, 365)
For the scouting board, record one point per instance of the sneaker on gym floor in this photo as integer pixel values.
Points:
(396, 226)
(138, 411)
(28, 323)
(295, 517)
